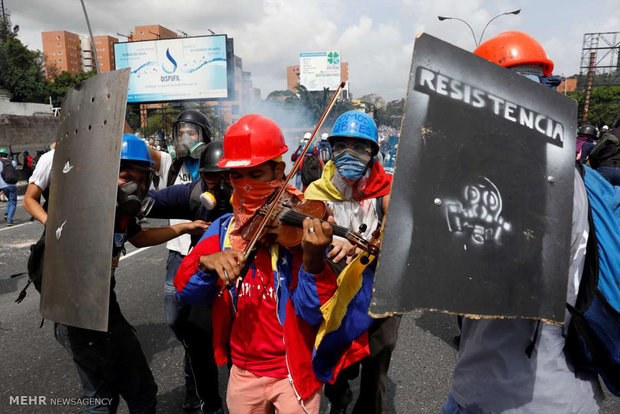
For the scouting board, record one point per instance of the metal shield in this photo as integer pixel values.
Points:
(480, 214)
(80, 223)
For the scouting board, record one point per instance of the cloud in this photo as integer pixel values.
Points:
(376, 38)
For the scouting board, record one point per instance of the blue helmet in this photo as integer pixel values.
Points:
(356, 124)
(134, 149)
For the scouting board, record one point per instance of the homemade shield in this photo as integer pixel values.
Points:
(80, 223)
(480, 213)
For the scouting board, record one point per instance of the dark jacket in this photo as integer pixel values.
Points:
(607, 152)
(182, 201)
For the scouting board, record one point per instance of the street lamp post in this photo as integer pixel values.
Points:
(515, 12)
(478, 41)
(442, 18)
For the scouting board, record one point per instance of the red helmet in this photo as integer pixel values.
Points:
(515, 48)
(252, 140)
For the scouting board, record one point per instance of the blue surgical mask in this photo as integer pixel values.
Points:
(351, 165)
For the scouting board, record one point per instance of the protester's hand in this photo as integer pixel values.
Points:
(196, 228)
(227, 264)
(340, 249)
(316, 237)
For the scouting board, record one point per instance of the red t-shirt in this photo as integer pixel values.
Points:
(256, 342)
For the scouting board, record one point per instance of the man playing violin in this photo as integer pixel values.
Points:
(356, 188)
(268, 316)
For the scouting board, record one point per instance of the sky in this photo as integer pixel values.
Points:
(375, 37)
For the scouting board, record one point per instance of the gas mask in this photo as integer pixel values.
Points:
(187, 141)
(131, 201)
(218, 196)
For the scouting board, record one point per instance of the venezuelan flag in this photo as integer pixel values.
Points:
(345, 319)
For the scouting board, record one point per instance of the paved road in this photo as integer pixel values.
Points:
(32, 363)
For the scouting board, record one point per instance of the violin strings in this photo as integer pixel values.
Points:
(296, 218)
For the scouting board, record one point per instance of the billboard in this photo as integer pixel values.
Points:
(188, 68)
(319, 70)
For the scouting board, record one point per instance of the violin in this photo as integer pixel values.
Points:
(282, 217)
(285, 224)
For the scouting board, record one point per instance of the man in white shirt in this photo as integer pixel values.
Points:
(180, 165)
(38, 184)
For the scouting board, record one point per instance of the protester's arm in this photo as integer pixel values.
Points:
(172, 202)
(316, 282)
(154, 236)
(32, 203)
(385, 202)
(195, 286)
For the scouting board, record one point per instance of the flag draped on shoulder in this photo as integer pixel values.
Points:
(345, 320)
(377, 185)
(345, 315)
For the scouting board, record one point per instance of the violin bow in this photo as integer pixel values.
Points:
(291, 174)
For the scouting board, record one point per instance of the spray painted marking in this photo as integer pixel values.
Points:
(479, 213)
(59, 230)
(68, 167)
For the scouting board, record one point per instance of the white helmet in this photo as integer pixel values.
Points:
(604, 128)
(324, 136)
(307, 136)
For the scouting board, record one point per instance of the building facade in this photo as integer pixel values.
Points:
(152, 32)
(567, 85)
(104, 47)
(70, 52)
(62, 52)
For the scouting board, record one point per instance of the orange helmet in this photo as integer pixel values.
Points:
(252, 140)
(515, 48)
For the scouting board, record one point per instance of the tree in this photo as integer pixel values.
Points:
(604, 104)
(21, 70)
(391, 115)
(63, 82)
(315, 102)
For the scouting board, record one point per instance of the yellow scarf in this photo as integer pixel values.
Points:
(323, 189)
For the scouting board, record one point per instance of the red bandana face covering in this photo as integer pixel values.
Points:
(248, 197)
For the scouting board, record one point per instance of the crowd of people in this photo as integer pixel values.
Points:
(258, 308)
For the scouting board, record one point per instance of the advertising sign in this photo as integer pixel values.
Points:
(480, 214)
(188, 68)
(319, 70)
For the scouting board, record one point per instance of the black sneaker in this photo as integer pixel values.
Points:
(191, 401)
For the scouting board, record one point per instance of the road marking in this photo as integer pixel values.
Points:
(135, 252)
(16, 226)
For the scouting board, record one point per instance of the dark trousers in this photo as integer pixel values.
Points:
(382, 337)
(111, 364)
(192, 326)
(196, 333)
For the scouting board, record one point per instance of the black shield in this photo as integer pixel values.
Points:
(480, 214)
(80, 223)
